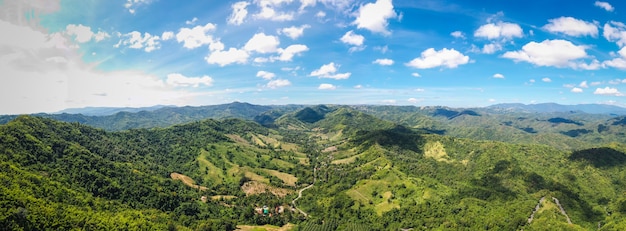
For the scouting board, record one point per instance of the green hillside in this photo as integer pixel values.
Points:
(353, 165)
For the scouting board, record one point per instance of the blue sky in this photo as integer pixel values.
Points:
(132, 53)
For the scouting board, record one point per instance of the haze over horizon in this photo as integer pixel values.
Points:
(140, 53)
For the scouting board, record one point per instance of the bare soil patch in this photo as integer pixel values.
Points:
(186, 180)
(254, 187)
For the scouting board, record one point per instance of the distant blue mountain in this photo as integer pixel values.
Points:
(104, 111)
(554, 107)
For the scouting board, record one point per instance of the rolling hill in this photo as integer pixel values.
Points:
(380, 167)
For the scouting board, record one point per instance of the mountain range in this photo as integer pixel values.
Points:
(314, 167)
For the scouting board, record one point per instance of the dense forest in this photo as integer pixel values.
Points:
(324, 167)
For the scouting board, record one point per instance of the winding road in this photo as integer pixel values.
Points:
(300, 195)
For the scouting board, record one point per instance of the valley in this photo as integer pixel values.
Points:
(327, 167)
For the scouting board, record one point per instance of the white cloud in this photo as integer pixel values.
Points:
(83, 34)
(555, 53)
(414, 100)
(179, 80)
(595, 83)
(131, 5)
(230, 56)
(571, 26)
(604, 5)
(167, 35)
(615, 32)
(326, 86)
(329, 71)
(239, 13)
(262, 43)
(135, 40)
(383, 62)
(268, 10)
(68, 80)
(294, 32)
(619, 62)
(320, 14)
(192, 21)
(288, 53)
(359, 86)
(389, 101)
(278, 83)
(352, 39)
(265, 75)
(306, 3)
(498, 76)
(583, 84)
(196, 36)
(374, 16)
(415, 74)
(546, 79)
(458, 34)
(491, 48)
(576, 90)
(445, 57)
(608, 91)
(499, 30)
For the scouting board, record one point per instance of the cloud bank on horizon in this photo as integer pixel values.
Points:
(134, 53)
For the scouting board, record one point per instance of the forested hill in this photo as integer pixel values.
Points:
(162, 117)
(358, 172)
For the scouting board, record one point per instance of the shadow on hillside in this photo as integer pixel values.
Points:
(399, 136)
(600, 157)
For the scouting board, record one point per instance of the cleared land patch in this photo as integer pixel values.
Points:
(254, 187)
(186, 180)
(287, 178)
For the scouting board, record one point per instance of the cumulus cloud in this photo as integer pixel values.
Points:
(555, 53)
(135, 40)
(268, 10)
(445, 57)
(414, 100)
(491, 48)
(288, 53)
(306, 3)
(179, 80)
(572, 27)
(546, 79)
(583, 84)
(374, 16)
(619, 62)
(330, 71)
(262, 43)
(227, 57)
(608, 91)
(498, 76)
(294, 32)
(458, 34)
(615, 32)
(415, 74)
(197, 36)
(326, 86)
(83, 34)
(131, 5)
(192, 21)
(383, 62)
(499, 30)
(265, 75)
(278, 83)
(576, 90)
(167, 35)
(239, 13)
(604, 5)
(352, 39)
